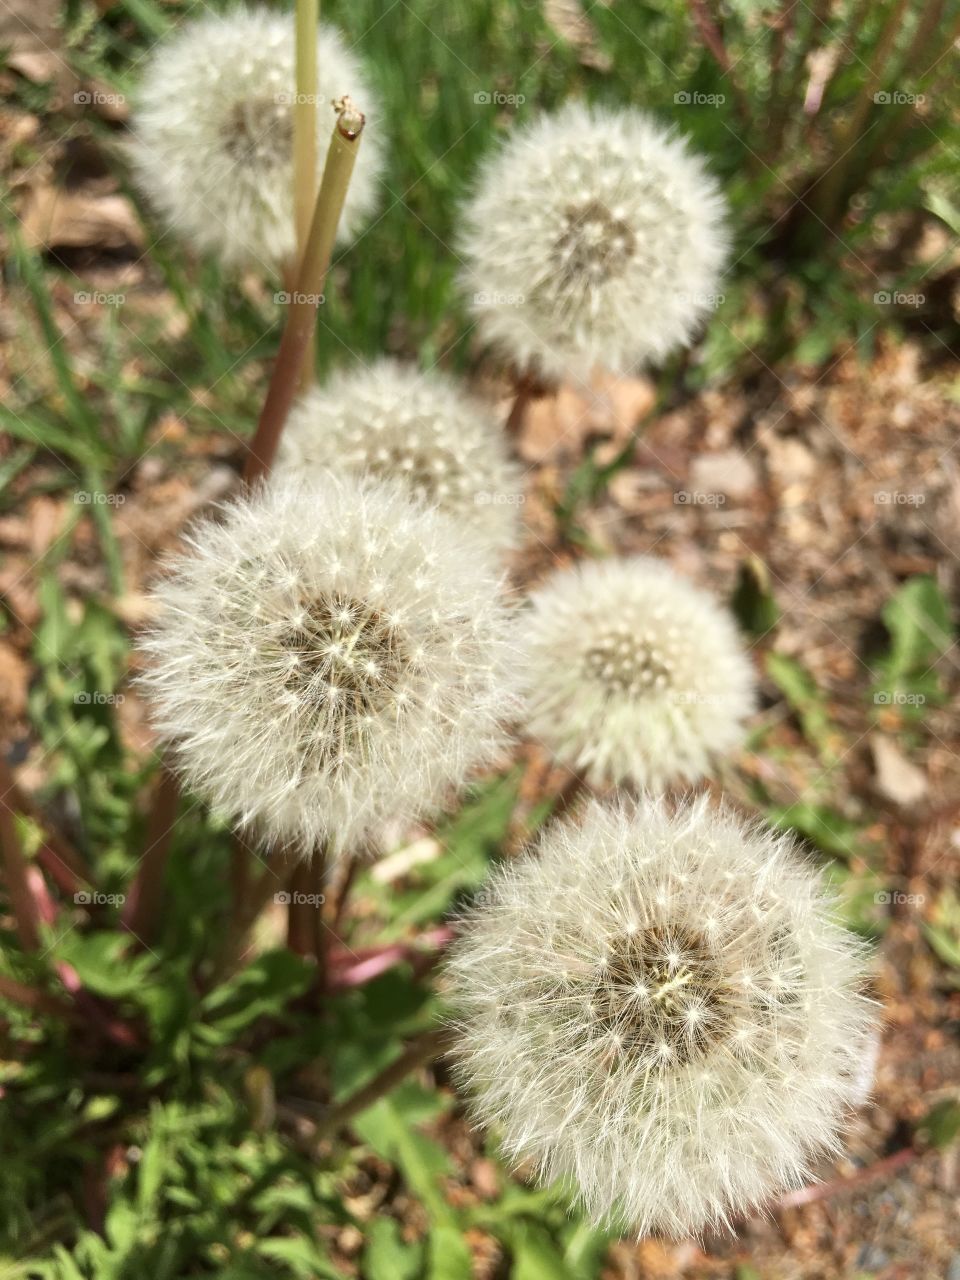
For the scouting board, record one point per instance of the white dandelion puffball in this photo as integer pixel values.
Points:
(661, 1010)
(593, 238)
(213, 134)
(394, 421)
(636, 675)
(322, 661)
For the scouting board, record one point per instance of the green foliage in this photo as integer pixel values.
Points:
(920, 630)
(185, 1172)
(941, 1124)
(942, 931)
(807, 701)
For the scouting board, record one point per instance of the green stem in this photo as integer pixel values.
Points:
(311, 277)
(305, 121)
(146, 893)
(426, 1047)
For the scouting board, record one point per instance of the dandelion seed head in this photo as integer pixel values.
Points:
(321, 662)
(393, 421)
(635, 674)
(634, 1062)
(593, 238)
(213, 134)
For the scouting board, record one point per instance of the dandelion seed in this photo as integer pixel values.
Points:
(635, 674)
(322, 663)
(641, 1069)
(594, 238)
(393, 421)
(213, 134)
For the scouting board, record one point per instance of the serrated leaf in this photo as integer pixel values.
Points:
(535, 1256)
(918, 619)
(386, 1256)
(821, 825)
(800, 690)
(448, 1257)
(106, 962)
(262, 989)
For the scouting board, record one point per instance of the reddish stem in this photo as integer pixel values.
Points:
(146, 893)
(15, 868)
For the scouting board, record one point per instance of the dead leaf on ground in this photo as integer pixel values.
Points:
(57, 219)
(30, 30)
(895, 776)
(14, 678)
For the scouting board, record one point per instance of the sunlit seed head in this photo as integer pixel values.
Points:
(635, 1062)
(394, 421)
(593, 238)
(636, 675)
(322, 663)
(213, 133)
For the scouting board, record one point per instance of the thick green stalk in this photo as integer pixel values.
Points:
(311, 277)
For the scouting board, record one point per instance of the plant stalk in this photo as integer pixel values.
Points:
(311, 276)
(526, 388)
(305, 144)
(305, 121)
(426, 1047)
(146, 893)
(22, 902)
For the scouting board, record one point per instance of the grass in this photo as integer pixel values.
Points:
(188, 1169)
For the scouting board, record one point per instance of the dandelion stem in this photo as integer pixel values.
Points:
(32, 999)
(305, 121)
(426, 1047)
(55, 855)
(300, 933)
(21, 900)
(305, 143)
(146, 892)
(311, 276)
(518, 410)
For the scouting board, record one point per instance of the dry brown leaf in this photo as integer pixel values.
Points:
(57, 219)
(895, 776)
(30, 30)
(14, 679)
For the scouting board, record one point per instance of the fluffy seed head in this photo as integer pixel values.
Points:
(593, 238)
(635, 674)
(420, 428)
(322, 663)
(213, 133)
(661, 1010)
